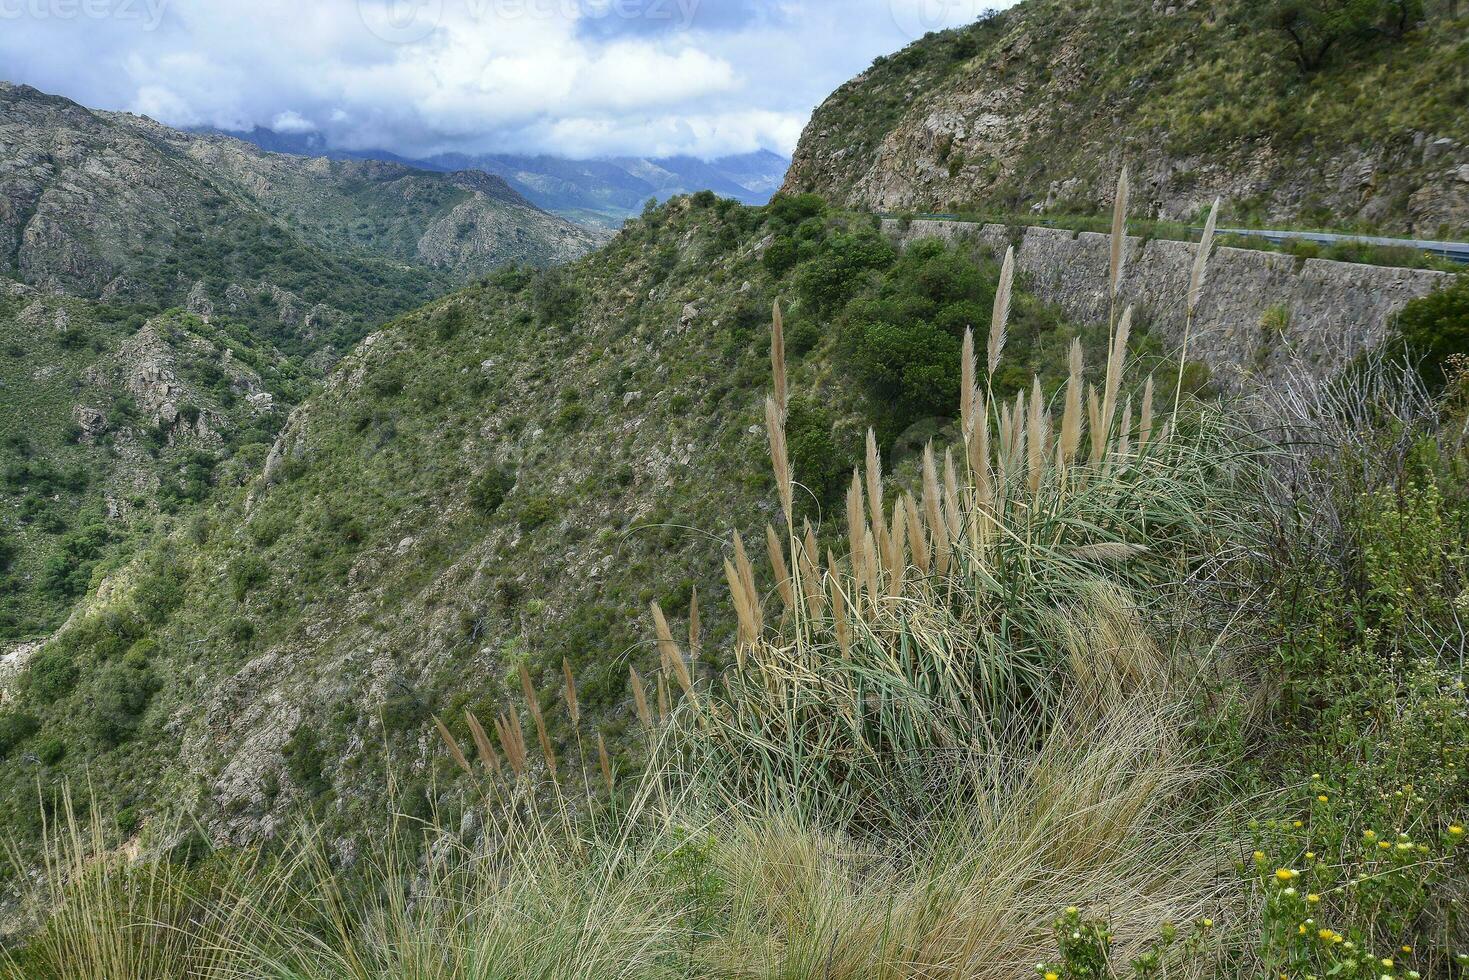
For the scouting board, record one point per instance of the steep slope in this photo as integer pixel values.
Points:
(1035, 109)
(110, 423)
(493, 481)
(92, 200)
(148, 276)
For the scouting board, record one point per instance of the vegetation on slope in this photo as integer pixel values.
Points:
(1119, 694)
(112, 417)
(505, 477)
(1035, 107)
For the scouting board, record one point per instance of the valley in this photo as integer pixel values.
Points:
(472, 569)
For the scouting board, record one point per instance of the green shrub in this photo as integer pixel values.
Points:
(488, 490)
(15, 728)
(51, 750)
(780, 256)
(247, 573)
(536, 511)
(119, 696)
(817, 462)
(1436, 328)
(51, 675)
(306, 761)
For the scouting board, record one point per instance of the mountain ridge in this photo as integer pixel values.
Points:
(1035, 109)
(597, 190)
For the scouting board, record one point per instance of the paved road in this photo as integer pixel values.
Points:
(1454, 251)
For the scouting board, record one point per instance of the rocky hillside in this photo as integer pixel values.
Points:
(1036, 108)
(114, 423)
(507, 476)
(167, 298)
(98, 203)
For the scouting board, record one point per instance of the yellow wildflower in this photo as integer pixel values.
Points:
(1284, 874)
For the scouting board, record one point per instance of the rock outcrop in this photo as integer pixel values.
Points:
(1037, 108)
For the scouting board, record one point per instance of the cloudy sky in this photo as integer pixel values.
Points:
(570, 77)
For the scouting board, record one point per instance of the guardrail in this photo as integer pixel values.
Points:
(1453, 251)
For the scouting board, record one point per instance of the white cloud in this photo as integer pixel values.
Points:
(292, 121)
(480, 75)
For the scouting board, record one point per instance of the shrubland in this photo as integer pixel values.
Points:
(1105, 679)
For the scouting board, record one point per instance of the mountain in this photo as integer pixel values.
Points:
(1035, 109)
(167, 298)
(612, 190)
(603, 191)
(94, 202)
(504, 477)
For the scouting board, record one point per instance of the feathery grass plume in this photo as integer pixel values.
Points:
(671, 654)
(933, 507)
(747, 579)
(488, 757)
(695, 641)
(533, 703)
(455, 752)
(1039, 439)
(1070, 439)
(839, 619)
(1201, 261)
(605, 762)
(780, 458)
(663, 702)
(640, 698)
(1007, 444)
(917, 537)
(870, 566)
(1107, 552)
(1000, 318)
(897, 568)
(748, 620)
(1119, 232)
(1116, 362)
(1094, 423)
(512, 740)
(976, 446)
(573, 708)
(856, 520)
(1195, 293)
(811, 581)
(1145, 424)
(1124, 434)
(778, 567)
(874, 486)
(778, 359)
(951, 494)
(967, 389)
(983, 478)
(808, 540)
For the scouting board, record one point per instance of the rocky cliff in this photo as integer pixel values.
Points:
(1264, 316)
(1036, 109)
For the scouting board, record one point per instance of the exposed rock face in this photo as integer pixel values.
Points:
(199, 302)
(12, 663)
(1036, 110)
(1263, 317)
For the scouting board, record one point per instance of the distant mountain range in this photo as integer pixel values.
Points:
(604, 191)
